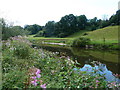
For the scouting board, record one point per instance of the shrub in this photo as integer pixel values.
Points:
(80, 42)
(22, 50)
(39, 34)
(21, 47)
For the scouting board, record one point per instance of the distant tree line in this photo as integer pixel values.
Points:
(11, 31)
(67, 25)
(70, 24)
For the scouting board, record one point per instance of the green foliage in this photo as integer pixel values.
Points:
(22, 50)
(115, 19)
(33, 29)
(14, 79)
(81, 42)
(11, 31)
(40, 34)
(49, 28)
(68, 25)
(57, 71)
(82, 22)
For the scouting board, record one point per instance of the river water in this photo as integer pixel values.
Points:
(108, 61)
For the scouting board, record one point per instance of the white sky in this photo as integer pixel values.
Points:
(29, 12)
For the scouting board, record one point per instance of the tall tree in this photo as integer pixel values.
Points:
(82, 21)
(115, 19)
(67, 25)
(49, 28)
(33, 28)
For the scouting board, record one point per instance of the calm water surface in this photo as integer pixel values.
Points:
(109, 60)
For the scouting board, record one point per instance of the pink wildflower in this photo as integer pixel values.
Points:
(33, 77)
(97, 81)
(38, 71)
(34, 82)
(43, 86)
(38, 75)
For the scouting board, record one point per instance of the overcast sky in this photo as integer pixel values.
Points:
(29, 12)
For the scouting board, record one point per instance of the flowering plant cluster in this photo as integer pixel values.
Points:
(58, 71)
(34, 79)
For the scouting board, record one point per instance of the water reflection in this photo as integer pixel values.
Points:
(109, 58)
(102, 70)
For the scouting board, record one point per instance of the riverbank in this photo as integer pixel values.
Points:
(105, 38)
(55, 70)
(99, 44)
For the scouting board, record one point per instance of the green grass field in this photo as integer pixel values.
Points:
(77, 34)
(31, 37)
(107, 34)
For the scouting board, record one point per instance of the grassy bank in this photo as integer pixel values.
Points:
(106, 38)
(21, 62)
(110, 34)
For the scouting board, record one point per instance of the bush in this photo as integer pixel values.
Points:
(80, 42)
(21, 50)
(39, 34)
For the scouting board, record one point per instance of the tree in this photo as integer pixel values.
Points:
(33, 28)
(67, 25)
(11, 31)
(82, 21)
(49, 28)
(115, 19)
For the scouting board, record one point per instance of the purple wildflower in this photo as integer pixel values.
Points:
(33, 77)
(38, 75)
(97, 81)
(38, 71)
(34, 82)
(43, 86)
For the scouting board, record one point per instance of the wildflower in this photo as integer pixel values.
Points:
(38, 75)
(97, 81)
(43, 86)
(38, 71)
(34, 82)
(33, 77)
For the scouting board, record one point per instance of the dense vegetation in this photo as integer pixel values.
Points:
(11, 31)
(27, 67)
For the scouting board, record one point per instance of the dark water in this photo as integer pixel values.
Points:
(109, 60)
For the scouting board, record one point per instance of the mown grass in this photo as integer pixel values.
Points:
(77, 34)
(105, 35)
(31, 37)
